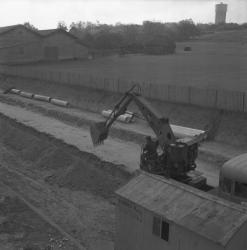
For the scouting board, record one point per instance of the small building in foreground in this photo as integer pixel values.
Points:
(160, 214)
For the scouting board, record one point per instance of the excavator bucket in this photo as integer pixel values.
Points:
(98, 132)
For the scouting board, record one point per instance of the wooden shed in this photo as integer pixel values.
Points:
(20, 44)
(154, 213)
(60, 44)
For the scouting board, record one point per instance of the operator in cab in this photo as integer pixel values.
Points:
(150, 148)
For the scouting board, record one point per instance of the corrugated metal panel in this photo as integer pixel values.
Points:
(236, 168)
(200, 212)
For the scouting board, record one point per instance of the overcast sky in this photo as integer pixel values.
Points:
(45, 14)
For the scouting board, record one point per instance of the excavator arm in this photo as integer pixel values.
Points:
(159, 124)
(178, 158)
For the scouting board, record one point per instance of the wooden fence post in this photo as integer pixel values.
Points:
(244, 96)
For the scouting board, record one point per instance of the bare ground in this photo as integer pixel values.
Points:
(22, 228)
(74, 189)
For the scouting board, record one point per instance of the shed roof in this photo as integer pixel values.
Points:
(40, 33)
(207, 215)
(50, 32)
(236, 168)
(8, 28)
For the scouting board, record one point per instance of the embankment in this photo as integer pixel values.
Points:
(61, 164)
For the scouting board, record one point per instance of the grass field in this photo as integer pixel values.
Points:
(213, 63)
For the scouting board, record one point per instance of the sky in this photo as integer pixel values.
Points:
(45, 14)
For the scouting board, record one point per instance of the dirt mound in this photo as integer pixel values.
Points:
(67, 166)
(28, 147)
(21, 228)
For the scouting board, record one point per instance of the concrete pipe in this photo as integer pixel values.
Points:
(26, 94)
(42, 98)
(59, 102)
(126, 118)
(15, 91)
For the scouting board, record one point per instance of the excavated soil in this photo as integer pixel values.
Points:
(74, 189)
(68, 167)
(22, 228)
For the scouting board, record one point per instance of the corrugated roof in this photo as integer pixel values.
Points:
(8, 28)
(209, 216)
(50, 32)
(41, 33)
(236, 168)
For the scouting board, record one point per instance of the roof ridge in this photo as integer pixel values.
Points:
(199, 193)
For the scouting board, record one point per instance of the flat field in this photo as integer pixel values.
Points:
(212, 63)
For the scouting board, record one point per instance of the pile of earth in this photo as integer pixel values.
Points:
(61, 164)
(21, 228)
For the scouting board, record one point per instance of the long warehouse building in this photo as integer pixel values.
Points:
(20, 44)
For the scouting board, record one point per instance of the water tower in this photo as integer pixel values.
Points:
(220, 13)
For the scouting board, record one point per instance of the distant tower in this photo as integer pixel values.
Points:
(220, 13)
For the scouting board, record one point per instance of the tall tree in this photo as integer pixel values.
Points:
(187, 29)
(30, 26)
(62, 25)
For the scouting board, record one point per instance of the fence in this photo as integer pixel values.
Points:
(213, 98)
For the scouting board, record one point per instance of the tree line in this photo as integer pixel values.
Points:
(150, 37)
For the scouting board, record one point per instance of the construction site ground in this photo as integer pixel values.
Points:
(63, 186)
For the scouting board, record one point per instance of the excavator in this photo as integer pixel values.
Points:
(176, 157)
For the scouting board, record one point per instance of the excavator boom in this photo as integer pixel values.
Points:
(159, 124)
